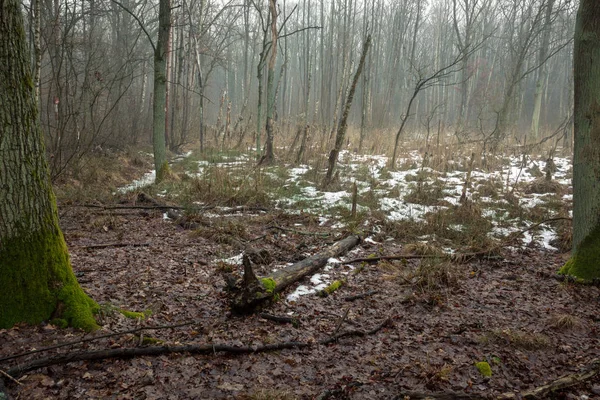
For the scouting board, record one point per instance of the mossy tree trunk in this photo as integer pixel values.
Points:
(269, 156)
(36, 280)
(160, 86)
(585, 261)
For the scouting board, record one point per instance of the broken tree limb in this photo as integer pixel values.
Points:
(107, 245)
(21, 369)
(91, 339)
(252, 291)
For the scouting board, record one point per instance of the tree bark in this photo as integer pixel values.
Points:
(585, 262)
(160, 86)
(35, 273)
(541, 79)
(269, 156)
(341, 131)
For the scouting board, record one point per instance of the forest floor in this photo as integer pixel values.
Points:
(421, 326)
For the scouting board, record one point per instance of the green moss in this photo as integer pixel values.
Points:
(38, 283)
(484, 368)
(133, 314)
(60, 322)
(151, 340)
(163, 172)
(269, 284)
(335, 285)
(585, 263)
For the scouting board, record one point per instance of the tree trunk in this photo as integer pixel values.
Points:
(269, 156)
(541, 79)
(160, 86)
(341, 131)
(585, 261)
(35, 273)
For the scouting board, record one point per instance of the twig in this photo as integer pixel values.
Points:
(141, 328)
(154, 207)
(319, 234)
(279, 318)
(10, 377)
(341, 322)
(361, 295)
(396, 257)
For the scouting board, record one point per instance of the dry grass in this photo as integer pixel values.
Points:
(564, 322)
(428, 194)
(517, 339)
(542, 185)
(435, 274)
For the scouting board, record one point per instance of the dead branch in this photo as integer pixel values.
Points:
(205, 349)
(280, 319)
(91, 339)
(10, 378)
(252, 291)
(106, 245)
(396, 257)
(325, 234)
(361, 295)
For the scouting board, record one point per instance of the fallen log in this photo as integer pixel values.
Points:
(251, 291)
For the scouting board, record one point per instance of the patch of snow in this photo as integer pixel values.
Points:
(235, 260)
(147, 179)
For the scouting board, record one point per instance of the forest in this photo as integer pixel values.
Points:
(299, 199)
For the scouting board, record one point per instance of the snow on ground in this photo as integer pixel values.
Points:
(144, 181)
(389, 189)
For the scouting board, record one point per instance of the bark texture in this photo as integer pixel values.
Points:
(585, 262)
(160, 91)
(36, 279)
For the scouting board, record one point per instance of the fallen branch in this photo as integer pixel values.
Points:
(10, 377)
(91, 339)
(106, 245)
(250, 291)
(319, 234)
(19, 370)
(280, 319)
(123, 207)
(396, 257)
